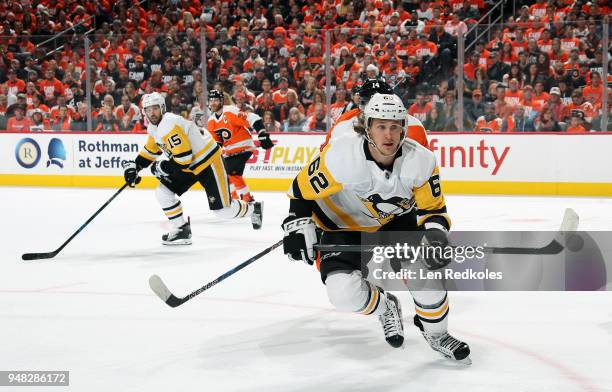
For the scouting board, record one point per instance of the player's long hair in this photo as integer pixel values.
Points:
(359, 125)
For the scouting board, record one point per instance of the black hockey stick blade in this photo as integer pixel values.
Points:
(162, 291)
(159, 287)
(38, 256)
(50, 255)
(552, 248)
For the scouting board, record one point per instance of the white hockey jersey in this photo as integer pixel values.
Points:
(352, 192)
(182, 141)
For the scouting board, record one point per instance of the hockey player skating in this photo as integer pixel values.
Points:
(192, 156)
(232, 129)
(339, 192)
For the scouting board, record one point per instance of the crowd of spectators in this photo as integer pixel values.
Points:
(540, 71)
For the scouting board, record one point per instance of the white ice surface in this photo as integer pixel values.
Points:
(270, 327)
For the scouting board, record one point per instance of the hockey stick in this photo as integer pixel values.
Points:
(569, 223)
(160, 288)
(50, 255)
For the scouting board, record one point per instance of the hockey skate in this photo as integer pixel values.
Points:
(257, 215)
(180, 236)
(445, 344)
(391, 321)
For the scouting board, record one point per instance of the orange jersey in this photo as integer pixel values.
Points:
(231, 129)
(420, 112)
(493, 126)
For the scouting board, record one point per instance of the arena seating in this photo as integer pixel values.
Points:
(541, 70)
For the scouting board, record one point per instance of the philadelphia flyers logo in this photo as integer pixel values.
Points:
(224, 134)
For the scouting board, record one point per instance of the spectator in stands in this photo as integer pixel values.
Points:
(270, 122)
(420, 108)
(456, 24)
(489, 122)
(295, 122)
(546, 122)
(576, 123)
(318, 121)
(579, 105)
(125, 124)
(481, 82)
(498, 68)
(449, 108)
(13, 84)
(39, 122)
(594, 91)
(337, 108)
(61, 121)
(474, 108)
(18, 123)
(469, 69)
(107, 122)
(79, 120)
(434, 121)
(292, 102)
(21, 102)
(518, 121)
(175, 105)
(127, 108)
(50, 87)
(467, 11)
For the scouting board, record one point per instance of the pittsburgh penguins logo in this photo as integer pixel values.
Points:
(165, 149)
(224, 134)
(383, 210)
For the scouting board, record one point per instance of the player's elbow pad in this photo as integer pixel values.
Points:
(142, 162)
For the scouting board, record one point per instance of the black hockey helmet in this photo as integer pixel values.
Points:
(371, 87)
(215, 94)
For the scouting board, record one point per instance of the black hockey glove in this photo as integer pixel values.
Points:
(436, 241)
(264, 140)
(161, 170)
(300, 238)
(130, 173)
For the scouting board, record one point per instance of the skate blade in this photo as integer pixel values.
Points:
(467, 361)
(177, 242)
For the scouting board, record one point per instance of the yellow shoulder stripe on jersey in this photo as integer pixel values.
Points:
(178, 143)
(150, 150)
(346, 218)
(315, 181)
(430, 200)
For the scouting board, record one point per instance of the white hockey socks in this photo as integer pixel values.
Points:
(432, 310)
(349, 292)
(237, 209)
(171, 205)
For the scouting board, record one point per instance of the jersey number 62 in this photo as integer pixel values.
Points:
(316, 178)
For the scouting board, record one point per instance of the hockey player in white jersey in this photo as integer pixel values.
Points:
(191, 156)
(341, 192)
